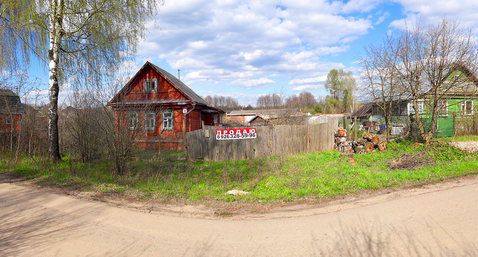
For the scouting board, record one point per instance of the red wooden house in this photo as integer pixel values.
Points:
(158, 105)
(11, 111)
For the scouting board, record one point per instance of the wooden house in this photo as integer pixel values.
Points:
(158, 106)
(459, 100)
(11, 111)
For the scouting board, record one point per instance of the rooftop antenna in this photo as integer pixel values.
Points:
(179, 74)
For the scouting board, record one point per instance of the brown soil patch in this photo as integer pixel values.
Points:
(410, 162)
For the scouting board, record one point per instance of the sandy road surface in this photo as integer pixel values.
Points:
(442, 221)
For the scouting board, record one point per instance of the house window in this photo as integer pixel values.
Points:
(443, 108)
(149, 85)
(411, 110)
(150, 120)
(215, 118)
(8, 121)
(167, 120)
(467, 107)
(133, 120)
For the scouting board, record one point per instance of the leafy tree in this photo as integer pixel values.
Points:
(76, 39)
(332, 105)
(318, 108)
(332, 84)
(341, 86)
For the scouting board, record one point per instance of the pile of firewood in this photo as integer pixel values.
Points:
(341, 142)
(365, 144)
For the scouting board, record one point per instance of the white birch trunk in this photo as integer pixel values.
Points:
(55, 19)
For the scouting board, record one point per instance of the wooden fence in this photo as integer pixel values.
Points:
(270, 140)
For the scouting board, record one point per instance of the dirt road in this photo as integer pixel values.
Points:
(441, 220)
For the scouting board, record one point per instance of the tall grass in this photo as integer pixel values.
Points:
(309, 177)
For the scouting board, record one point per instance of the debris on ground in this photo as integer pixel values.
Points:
(236, 192)
(410, 161)
(466, 146)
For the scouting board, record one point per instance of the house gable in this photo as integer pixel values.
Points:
(164, 91)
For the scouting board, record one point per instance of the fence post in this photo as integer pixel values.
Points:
(355, 128)
(454, 126)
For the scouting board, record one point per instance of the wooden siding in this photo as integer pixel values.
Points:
(280, 139)
(14, 120)
(164, 90)
(137, 100)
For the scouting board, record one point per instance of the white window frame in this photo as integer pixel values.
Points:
(147, 89)
(149, 120)
(7, 120)
(463, 107)
(440, 102)
(411, 110)
(133, 120)
(167, 121)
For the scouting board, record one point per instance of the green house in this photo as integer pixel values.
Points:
(457, 109)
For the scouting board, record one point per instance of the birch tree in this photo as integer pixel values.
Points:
(73, 39)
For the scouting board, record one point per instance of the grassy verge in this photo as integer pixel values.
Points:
(459, 139)
(309, 177)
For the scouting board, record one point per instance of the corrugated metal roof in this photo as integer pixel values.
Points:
(364, 111)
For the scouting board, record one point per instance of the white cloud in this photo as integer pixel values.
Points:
(360, 5)
(382, 18)
(319, 79)
(253, 83)
(248, 40)
(431, 12)
(306, 87)
(324, 50)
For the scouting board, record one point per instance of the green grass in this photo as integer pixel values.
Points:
(460, 138)
(309, 177)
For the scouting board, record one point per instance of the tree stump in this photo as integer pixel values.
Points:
(368, 147)
(375, 140)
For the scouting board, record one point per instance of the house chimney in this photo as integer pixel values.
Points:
(179, 74)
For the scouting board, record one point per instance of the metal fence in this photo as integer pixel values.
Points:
(269, 140)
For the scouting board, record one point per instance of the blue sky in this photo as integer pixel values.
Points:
(245, 49)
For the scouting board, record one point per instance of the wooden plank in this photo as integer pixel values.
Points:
(279, 139)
